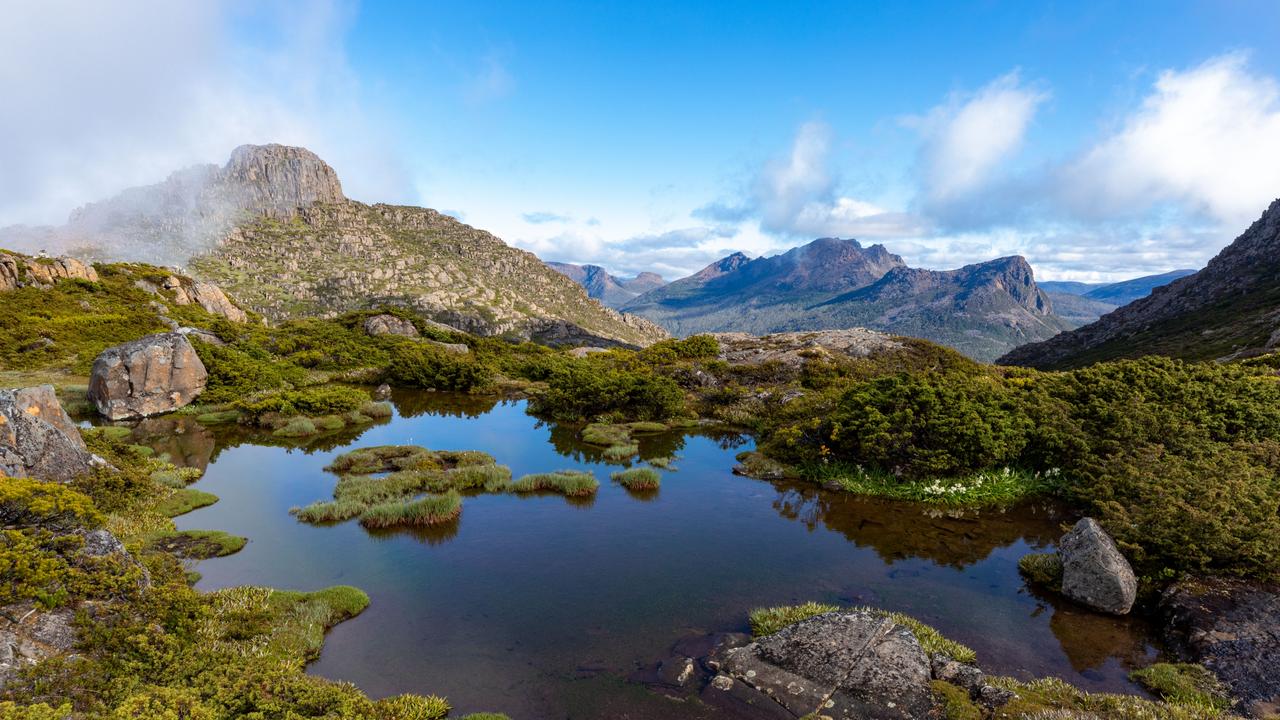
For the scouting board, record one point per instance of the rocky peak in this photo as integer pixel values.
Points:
(723, 266)
(277, 179)
(827, 264)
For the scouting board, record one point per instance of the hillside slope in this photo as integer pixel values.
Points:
(1231, 307)
(273, 227)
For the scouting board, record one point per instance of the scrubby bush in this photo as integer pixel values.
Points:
(314, 401)
(590, 390)
(426, 366)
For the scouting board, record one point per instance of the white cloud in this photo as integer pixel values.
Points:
(101, 96)
(1206, 140)
(969, 138)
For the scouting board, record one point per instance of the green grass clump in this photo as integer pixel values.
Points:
(329, 422)
(605, 434)
(184, 501)
(489, 478)
(376, 410)
(666, 463)
(384, 458)
(639, 478)
(296, 428)
(1043, 569)
(930, 639)
(218, 417)
(955, 702)
(767, 621)
(570, 483)
(619, 453)
(197, 544)
(329, 511)
(412, 707)
(1054, 698)
(647, 426)
(429, 510)
(1184, 684)
(111, 432)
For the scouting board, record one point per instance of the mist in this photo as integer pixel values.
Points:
(99, 97)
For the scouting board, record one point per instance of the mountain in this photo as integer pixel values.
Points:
(273, 228)
(1081, 303)
(1076, 309)
(1230, 308)
(982, 310)
(1123, 293)
(608, 289)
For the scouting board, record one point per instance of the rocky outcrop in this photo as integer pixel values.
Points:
(1229, 307)
(1094, 573)
(207, 295)
(1232, 627)
(794, 348)
(18, 271)
(276, 180)
(38, 439)
(855, 664)
(153, 375)
(389, 325)
(29, 635)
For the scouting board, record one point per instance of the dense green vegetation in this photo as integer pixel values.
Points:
(570, 483)
(639, 478)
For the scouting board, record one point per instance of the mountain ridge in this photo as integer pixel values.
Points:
(609, 289)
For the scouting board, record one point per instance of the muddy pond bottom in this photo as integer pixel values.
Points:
(539, 607)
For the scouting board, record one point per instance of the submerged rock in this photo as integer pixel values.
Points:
(1094, 573)
(156, 374)
(1232, 627)
(38, 439)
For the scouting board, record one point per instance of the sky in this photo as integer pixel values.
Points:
(1101, 141)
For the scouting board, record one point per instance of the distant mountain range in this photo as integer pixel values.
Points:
(273, 228)
(1231, 308)
(609, 289)
(983, 309)
(1082, 303)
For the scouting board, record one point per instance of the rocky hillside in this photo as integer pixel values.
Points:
(1081, 303)
(1230, 308)
(609, 289)
(982, 310)
(272, 226)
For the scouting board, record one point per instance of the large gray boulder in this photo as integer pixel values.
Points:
(842, 665)
(1094, 573)
(389, 325)
(156, 374)
(38, 439)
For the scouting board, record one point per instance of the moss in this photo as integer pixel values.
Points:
(1043, 569)
(384, 458)
(197, 544)
(296, 428)
(184, 501)
(647, 427)
(605, 434)
(570, 483)
(640, 478)
(1184, 684)
(489, 478)
(1053, 698)
(376, 410)
(955, 702)
(110, 432)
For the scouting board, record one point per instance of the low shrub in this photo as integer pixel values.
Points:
(426, 366)
(312, 402)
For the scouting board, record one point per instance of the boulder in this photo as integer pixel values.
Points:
(389, 325)
(48, 272)
(455, 348)
(1232, 627)
(156, 374)
(28, 636)
(212, 299)
(842, 665)
(101, 543)
(38, 439)
(1094, 573)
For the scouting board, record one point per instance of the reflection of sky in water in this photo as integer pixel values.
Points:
(498, 612)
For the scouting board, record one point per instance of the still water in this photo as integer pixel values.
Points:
(539, 607)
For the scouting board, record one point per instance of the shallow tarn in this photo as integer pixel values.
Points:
(538, 606)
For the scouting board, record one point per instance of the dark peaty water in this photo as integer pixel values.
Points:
(538, 607)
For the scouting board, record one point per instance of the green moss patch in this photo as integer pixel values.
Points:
(184, 501)
(197, 544)
(1184, 684)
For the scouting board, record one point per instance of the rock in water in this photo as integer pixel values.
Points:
(156, 374)
(845, 665)
(37, 438)
(389, 325)
(1094, 573)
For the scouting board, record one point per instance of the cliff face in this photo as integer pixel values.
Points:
(273, 226)
(981, 310)
(1231, 307)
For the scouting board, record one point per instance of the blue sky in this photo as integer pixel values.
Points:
(1101, 140)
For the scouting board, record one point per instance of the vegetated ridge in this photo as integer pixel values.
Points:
(1230, 308)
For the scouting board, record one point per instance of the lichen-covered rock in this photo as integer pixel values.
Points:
(101, 543)
(38, 439)
(29, 635)
(17, 271)
(1094, 573)
(1232, 627)
(843, 665)
(213, 300)
(389, 325)
(153, 375)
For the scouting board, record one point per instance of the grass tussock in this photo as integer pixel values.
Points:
(1043, 569)
(183, 501)
(640, 478)
(384, 458)
(570, 483)
(1184, 684)
(1051, 698)
(767, 621)
(412, 707)
(489, 478)
(425, 511)
(605, 434)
